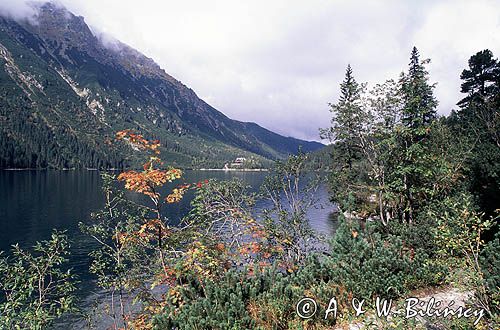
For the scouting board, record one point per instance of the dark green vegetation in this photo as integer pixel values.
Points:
(63, 94)
(477, 122)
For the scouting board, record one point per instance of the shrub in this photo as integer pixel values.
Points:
(460, 237)
(490, 265)
(238, 300)
(371, 264)
(34, 288)
(362, 264)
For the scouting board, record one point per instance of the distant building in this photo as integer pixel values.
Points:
(238, 162)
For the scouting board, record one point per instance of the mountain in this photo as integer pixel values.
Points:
(64, 93)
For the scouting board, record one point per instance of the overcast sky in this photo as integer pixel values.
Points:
(279, 62)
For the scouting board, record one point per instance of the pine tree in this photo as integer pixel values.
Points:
(481, 82)
(478, 121)
(480, 108)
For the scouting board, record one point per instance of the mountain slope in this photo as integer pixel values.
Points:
(64, 94)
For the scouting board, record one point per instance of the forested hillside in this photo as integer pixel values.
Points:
(64, 94)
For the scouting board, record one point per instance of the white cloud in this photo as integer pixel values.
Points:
(280, 62)
(16, 9)
(452, 32)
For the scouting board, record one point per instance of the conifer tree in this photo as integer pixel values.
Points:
(481, 81)
(478, 122)
(420, 103)
(419, 111)
(347, 116)
(345, 131)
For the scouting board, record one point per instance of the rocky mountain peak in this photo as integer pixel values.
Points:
(56, 24)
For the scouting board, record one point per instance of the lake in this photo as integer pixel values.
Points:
(33, 203)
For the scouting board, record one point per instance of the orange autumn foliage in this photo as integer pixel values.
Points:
(147, 181)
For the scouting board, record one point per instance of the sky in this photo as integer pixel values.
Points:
(280, 62)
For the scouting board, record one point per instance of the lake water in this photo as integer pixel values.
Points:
(33, 203)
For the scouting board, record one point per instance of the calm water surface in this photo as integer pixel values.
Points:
(33, 203)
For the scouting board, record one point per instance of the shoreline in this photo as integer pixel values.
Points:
(233, 169)
(117, 169)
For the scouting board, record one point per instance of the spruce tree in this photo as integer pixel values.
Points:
(345, 131)
(420, 104)
(419, 110)
(347, 116)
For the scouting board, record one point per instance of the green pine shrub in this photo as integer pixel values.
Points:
(490, 266)
(266, 300)
(370, 263)
(362, 264)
